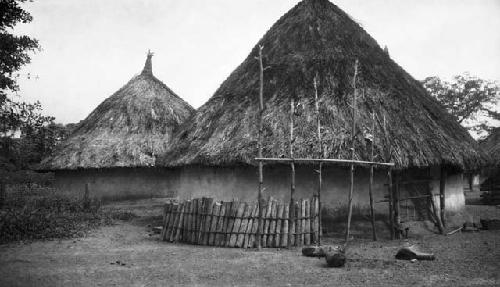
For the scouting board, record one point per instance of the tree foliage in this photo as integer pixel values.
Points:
(26, 135)
(473, 101)
(14, 50)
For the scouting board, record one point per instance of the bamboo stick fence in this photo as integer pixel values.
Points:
(203, 221)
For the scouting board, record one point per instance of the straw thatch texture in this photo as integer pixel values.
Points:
(491, 145)
(316, 37)
(128, 129)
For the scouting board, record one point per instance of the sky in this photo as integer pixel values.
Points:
(91, 48)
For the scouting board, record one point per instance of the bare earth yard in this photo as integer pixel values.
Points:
(463, 259)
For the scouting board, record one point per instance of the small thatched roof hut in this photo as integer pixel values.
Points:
(491, 184)
(128, 129)
(217, 146)
(115, 148)
(491, 146)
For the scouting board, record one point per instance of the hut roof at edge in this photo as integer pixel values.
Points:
(491, 145)
(128, 129)
(317, 38)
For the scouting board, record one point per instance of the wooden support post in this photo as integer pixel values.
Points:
(370, 187)
(397, 212)
(3, 193)
(391, 201)
(261, 175)
(320, 155)
(292, 166)
(442, 195)
(353, 136)
(387, 156)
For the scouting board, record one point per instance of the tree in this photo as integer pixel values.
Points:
(24, 131)
(26, 135)
(14, 50)
(473, 101)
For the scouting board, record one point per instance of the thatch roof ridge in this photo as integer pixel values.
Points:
(317, 38)
(128, 129)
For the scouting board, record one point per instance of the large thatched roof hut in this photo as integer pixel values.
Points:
(120, 140)
(217, 146)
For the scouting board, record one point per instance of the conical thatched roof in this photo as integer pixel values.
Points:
(491, 145)
(316, 37)
(128, 129)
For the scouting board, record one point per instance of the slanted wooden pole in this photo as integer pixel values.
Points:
(370, 187)
(292, 166)
(442, 196)
(353, 135)
(261, 175)
(320, 155)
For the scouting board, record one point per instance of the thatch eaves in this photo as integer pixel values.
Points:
(318, 38)
(129, 129)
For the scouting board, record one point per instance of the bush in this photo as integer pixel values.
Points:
(44, 214)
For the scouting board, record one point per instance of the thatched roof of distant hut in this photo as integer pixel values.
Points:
(491, 146)
(128, 129)
(316, 37)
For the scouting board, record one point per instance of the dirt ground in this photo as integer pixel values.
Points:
(463, 259)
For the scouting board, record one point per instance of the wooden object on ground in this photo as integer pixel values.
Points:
(313, 251)
(335, 259)
(454, 231)
(410, 253)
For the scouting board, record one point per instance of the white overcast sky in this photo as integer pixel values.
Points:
(93, 47)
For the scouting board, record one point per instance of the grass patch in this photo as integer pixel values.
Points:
(42, 213)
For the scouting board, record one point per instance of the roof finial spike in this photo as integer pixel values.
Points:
(148, 66)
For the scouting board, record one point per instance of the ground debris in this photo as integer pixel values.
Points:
(411, 252)
(335, 259)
